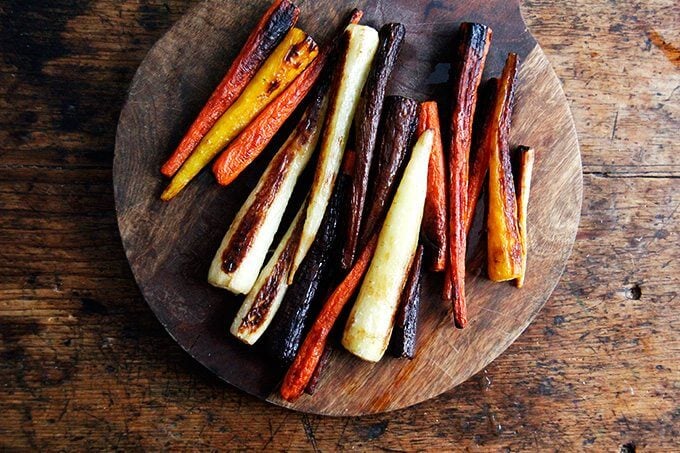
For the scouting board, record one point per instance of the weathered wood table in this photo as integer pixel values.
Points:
(85, 365)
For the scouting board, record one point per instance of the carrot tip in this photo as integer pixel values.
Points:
(167, 195)
(460, 323)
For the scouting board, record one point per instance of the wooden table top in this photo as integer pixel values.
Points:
(84, 363)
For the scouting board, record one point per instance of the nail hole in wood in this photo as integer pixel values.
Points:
(628, 448)
(634, 292)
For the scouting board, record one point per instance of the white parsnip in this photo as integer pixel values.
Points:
(240, 257)
(526, 169)
(263, 301)
(362, 44)
(371, 320)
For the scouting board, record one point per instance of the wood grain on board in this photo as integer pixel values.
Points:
(169, 245)
(86, 365)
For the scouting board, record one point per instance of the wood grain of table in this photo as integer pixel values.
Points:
(85, 365)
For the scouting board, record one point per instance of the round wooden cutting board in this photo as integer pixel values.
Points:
(170, 245)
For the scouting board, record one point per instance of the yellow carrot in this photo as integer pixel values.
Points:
(287, 61)
(504, 248)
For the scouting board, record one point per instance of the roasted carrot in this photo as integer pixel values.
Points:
(525, 168)
(348, 173)
(366, 122)
(398, 123)
(349, 162)
(480, 161)
(472, 51)
(257, 135)
(300, 372)
(287, 61)
(263, 301)
(267, 34)
(504, 252)
(434, 217)
(354, 17)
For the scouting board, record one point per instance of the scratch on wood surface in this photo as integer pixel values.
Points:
(616, 122)
(274, 432)
(341, 438)
(670, 96)
(379, 9)
(443, 370)
(309, 432)
(671, 215)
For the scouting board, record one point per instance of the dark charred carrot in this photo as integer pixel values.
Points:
(404, 335)
(367, 120)
(504, 253)
(256, 136)
(268, 33)
(435, 214)
(398, 124)
(480, 160)
(344, 183)
(294, 316)
(300, 372)
(316, 377)
(475, 40)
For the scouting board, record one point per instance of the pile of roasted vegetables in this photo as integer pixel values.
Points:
(383, 182)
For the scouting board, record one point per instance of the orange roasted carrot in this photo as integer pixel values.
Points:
(434, 216)
(480, 161)
(300, 372)
(268, 33)
(472, 51)
(257, 135)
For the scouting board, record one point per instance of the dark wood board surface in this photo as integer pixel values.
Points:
(86, 364)
(170, 245)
